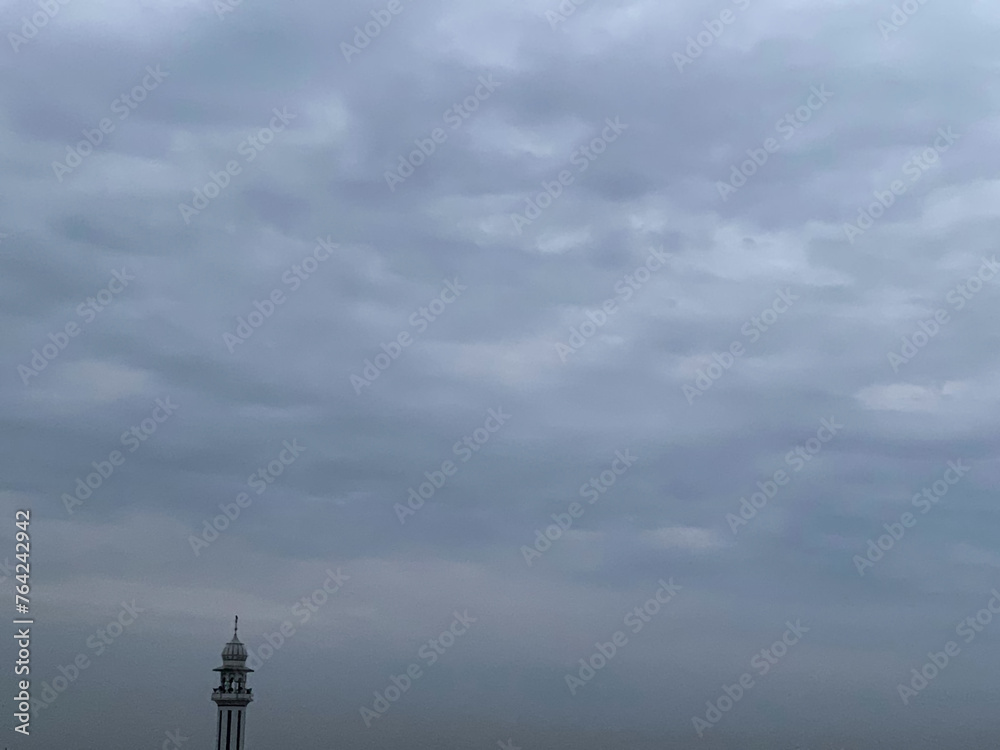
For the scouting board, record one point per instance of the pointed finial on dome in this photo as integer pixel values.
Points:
(236, 625)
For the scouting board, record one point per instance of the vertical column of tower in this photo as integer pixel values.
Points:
(232, 695)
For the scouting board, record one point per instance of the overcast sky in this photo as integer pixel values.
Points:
(600, 274)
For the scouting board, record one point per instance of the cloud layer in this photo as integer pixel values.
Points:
(515, 310)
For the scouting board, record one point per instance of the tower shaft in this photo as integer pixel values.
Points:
(232, 696)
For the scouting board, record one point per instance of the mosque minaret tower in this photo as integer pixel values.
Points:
(232, 696)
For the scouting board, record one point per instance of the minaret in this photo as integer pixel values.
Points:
(232, 695)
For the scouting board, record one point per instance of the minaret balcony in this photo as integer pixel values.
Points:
(232, 698)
